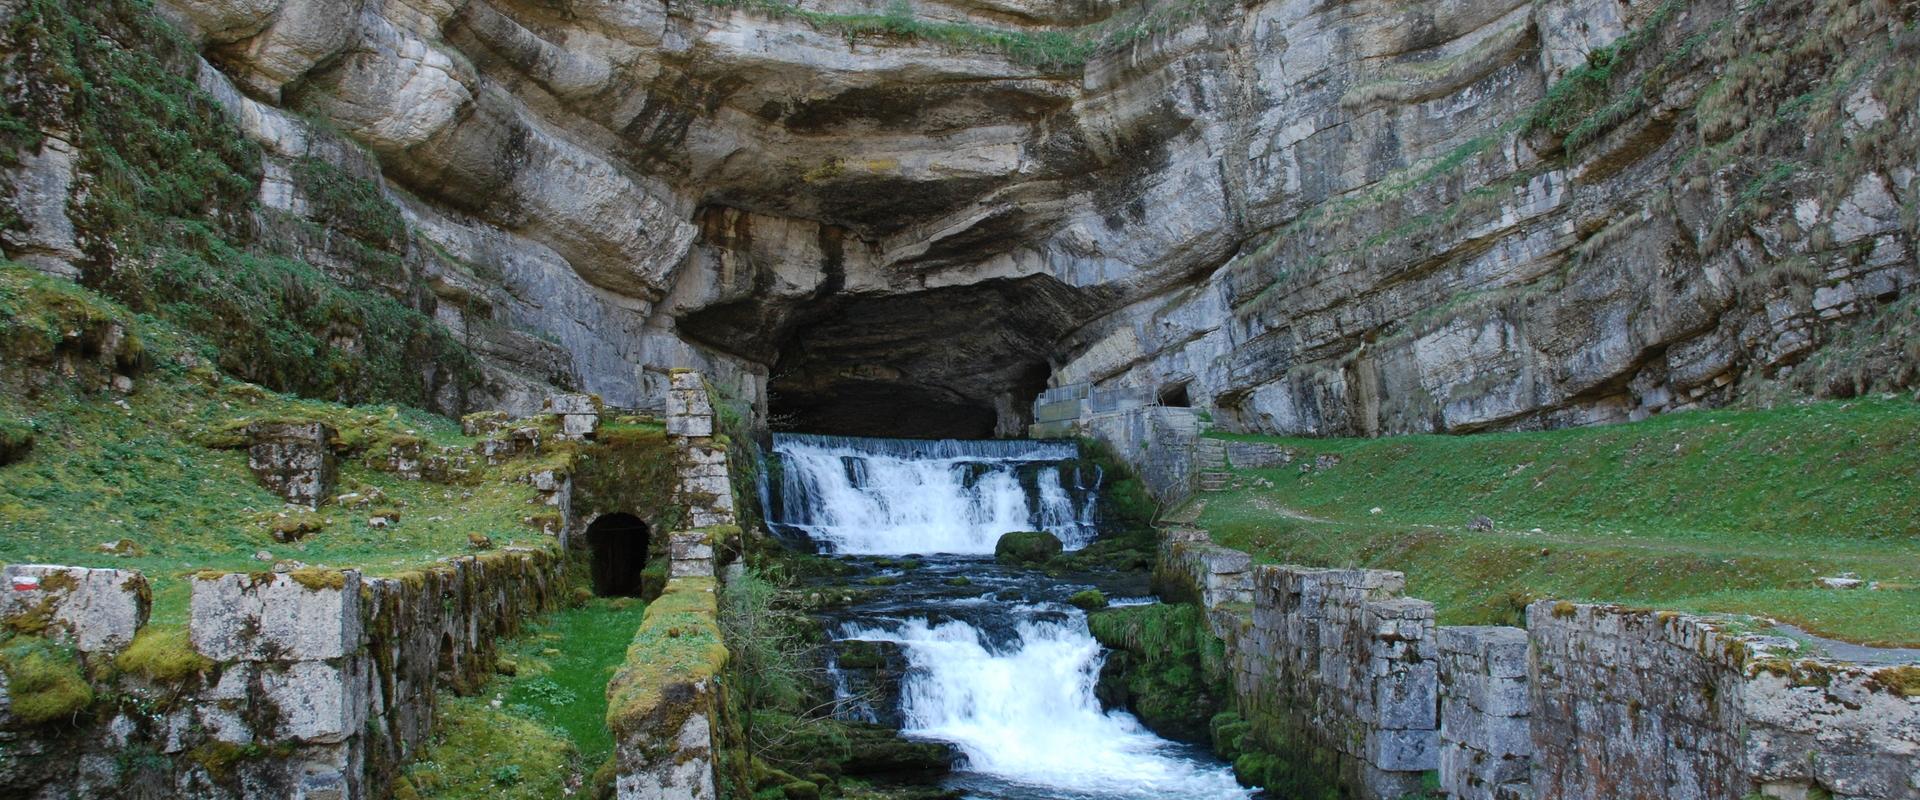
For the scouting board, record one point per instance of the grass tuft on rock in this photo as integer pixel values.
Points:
(163, 654)
(44, 681)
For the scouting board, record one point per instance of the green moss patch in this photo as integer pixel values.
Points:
(678, 644)
(1167, 666)
(44, 680)
(163, 654)
(1026, 547)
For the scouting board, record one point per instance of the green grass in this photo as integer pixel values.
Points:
(1734, 511)
(143, 468)
(478, 751)
(561, 667)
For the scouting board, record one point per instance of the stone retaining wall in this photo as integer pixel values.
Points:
(1347, 684)
(1640, 703)
(1486, 739)
(664, 704)
(310, 684)
(1157, 442)
(1336, 673)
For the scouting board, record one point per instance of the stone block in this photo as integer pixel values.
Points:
(691, 553)
(691, 426)
(316, 701)
(294, 460)
(1408, 697)
(95, 610)
(573, 404)
(298, 616)
(1403, 750)
(578, 426)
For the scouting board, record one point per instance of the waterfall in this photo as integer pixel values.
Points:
(1024, 711)
(892, 496)
(1004, 670)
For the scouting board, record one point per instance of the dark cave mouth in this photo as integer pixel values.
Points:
(957, 362)
(882, 409)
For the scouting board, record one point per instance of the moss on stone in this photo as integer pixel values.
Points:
(1167, 666)
(1088, 600)
(44, 680)
(678, 644)
(316, 579)
(163, 655)
(1903, 681)
(1026, 547)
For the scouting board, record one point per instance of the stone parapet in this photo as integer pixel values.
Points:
(94, 610)
(663, 702)
(314, 685)
(1486, 743)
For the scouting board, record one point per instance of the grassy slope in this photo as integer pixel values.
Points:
(551, 723)
(101, 471)
(1734, 511)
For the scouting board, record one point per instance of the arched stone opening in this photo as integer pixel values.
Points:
(619, 546)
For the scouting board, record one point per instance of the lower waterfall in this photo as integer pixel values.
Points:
(1004, 669)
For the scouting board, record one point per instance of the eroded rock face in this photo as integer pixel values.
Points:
(1352, 218)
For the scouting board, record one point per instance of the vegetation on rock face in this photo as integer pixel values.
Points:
(1733, 511)
(168, 221)
(157, 467)
(1167, 667)
(44, 683)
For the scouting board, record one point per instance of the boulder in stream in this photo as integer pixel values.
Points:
(1027, 548)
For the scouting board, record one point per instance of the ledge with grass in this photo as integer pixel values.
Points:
(663, 703)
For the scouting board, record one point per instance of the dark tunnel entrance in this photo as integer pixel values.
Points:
(619, 544)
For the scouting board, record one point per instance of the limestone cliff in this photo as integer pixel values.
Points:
(1315, 216)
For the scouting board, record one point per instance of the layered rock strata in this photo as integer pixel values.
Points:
(1345, 218)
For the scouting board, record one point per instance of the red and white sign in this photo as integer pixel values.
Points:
(26, 583)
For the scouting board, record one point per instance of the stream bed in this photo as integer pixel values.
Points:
(989, 658)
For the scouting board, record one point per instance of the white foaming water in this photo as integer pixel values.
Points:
(895, 496)
(1026, 713)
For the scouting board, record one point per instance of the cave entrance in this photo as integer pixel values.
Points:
(619, 545)
(1175, 396)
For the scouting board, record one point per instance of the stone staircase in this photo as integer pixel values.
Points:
(1210, 465)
